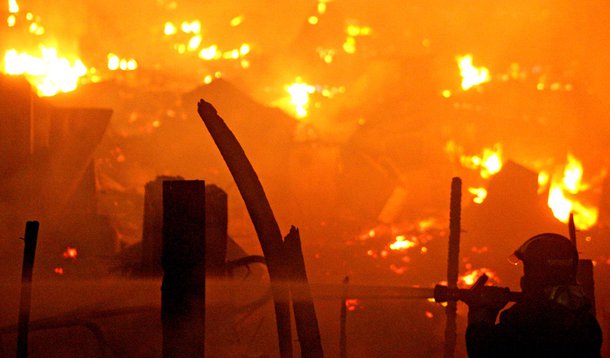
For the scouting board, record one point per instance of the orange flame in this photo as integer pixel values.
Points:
(488, 163)
(561, 194)
(479, 194)
(471, 276)
(298, 102)
(48, 72)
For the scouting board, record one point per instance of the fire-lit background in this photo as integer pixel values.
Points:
(355, 114)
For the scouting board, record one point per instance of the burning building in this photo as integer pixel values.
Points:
(356, 116)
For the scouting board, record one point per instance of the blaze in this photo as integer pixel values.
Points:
(561, 196)
(471, 75)
(299, 97)
(48, 72)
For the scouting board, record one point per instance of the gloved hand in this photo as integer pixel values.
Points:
(485, 302)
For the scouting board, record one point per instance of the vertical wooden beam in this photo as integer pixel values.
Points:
(453, 264)
(183, 287)
(304, 310)
(216, 222)
(29, 253)
(343, 320)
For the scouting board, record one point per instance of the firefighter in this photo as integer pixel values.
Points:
(554, 317)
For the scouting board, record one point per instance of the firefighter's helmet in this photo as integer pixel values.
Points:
(548, 260)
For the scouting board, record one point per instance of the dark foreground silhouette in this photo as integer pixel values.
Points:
(554, 317)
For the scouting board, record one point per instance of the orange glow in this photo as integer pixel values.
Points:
(169, 29)
(298, 103)
(488, 163)
(401, 243)
(48, 72)
(191, 27)
(399, 270)
(543, 181)
(124, 64)
(237, 20)
(471, 276)
(13, 6)
(479, 194)
(59, 270)
(471, 75)
(429, 314)
(70, 253)
(352, 304)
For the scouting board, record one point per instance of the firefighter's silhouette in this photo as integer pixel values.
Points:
(553, 318)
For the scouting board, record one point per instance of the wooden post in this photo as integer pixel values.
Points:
(453, 265)
(302, 303)
(343, 320)
(152, 228)
(29, 252)
(216, 223)
(183, 288)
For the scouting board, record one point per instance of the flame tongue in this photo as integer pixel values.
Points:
(561, 196)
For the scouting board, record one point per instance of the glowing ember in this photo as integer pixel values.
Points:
(471, 75)
(237, 20)
(50, 73)
(169, 29)
(70, 253)
(429, 314)
(13, 6)
(59, 270)
(543, 181)
(561, 194)
(191, 27)
(210, 53)
(401, 243)
(123, 64)
(353, 31)
(352, 304)
(479, 194)
(399, 270)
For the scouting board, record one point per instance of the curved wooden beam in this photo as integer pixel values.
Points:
(262, 217)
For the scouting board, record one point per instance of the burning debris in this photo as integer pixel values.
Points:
(369, 111)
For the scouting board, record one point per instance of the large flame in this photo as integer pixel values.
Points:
(561, 196)
(48, 72)
(471, 75)
(299, 97)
